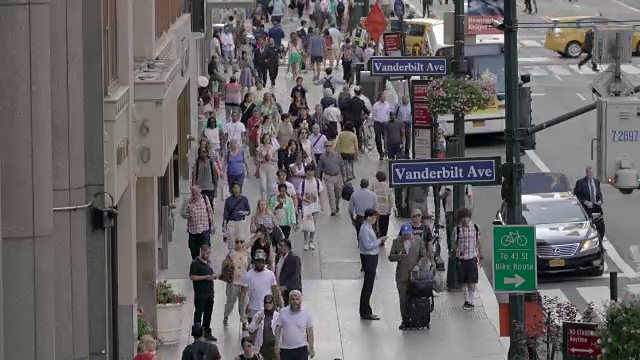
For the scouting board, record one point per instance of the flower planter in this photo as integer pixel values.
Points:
(169, 323)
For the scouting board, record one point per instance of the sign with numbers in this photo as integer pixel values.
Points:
(515, 267)
(580, 341)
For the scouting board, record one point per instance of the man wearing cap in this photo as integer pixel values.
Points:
(408, 251)
(259, 282)
(369, 246)
(361, 200)
(421, 230)
(332, 171)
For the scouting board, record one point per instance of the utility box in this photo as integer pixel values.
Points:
(605, 48)
(618, 142)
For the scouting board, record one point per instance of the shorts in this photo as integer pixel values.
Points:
(316, 59)
(468, 271)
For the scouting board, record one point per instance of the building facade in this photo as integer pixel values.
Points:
(97, 111)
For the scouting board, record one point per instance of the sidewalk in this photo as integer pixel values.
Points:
(332, 282)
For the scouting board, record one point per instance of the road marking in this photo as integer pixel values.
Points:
(559, 70)
(581, 97)
(535, 59)
(627, 6)
(598, 295)
(635, 254)
(576, 5)
(582, 70)
(535, 71)
(558, 77)
(554, 293)
(530, 43)
(630, 69)
(626, 270)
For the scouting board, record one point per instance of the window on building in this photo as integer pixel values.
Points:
(110, 42)
(167, 11)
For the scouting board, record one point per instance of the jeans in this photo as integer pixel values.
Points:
(379, 130)
(369, 266)
(407, 139)
(301, 353)
(228, 109)
(273, 74)
(196, 241)
(233, 179)
(262, 75)
(383, 225)
(309, 236)
(233, 296)
(300, 8)
(349, 159)
(202, 313)
(334, 190)
(268, 177)
(227, 59)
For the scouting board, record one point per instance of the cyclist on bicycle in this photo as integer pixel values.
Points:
(355, 113)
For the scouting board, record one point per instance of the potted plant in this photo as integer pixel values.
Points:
(620, 333)
(144, 328)
(461, 96)
(169, 313)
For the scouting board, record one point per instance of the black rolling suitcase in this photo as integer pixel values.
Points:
(420, 303)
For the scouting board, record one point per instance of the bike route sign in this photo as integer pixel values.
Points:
(515, 266)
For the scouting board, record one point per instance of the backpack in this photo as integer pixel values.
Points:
(340, 8)
(343, 101)
(328, 84)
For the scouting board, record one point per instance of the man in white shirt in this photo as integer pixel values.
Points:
(294, 330)
(381, 112)
(228, 48)
(333, 118)
(403, 114)
(234, 130)
(257, 283)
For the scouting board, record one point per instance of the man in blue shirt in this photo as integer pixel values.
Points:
(277, 34)
(369, 245)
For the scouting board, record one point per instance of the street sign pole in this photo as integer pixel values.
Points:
(458, 130)
(514, 168)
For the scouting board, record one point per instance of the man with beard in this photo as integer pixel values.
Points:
(258, 283)
(294, 330)
(202, 276)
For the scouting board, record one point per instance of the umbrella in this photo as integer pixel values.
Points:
(203, 81)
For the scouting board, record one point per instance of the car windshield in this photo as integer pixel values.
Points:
(492, 65)
(553, 212)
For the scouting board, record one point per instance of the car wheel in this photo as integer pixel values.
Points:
(574, 49)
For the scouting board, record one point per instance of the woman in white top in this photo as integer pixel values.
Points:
(309, 192)
(267, 317)
(267, 160)
(305, 144)
(386, 202)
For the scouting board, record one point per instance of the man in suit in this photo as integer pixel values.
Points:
(587, 190)
(408, 252)
(288, 270)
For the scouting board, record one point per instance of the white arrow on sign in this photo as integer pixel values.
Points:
(518, 280)
(588, 351)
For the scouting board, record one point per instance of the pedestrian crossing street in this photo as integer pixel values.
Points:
(567, 70)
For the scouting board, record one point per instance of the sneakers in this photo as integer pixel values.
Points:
(306, 246)
(467, 305)
(312, 246)
(209, 337)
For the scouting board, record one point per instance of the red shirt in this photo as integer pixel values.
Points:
(146, 356)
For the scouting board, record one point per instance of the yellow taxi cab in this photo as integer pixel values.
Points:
(567, 34)
(417, 33)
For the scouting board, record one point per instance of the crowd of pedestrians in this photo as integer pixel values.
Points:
(304, 159)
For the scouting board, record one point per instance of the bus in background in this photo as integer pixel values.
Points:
(486, 57)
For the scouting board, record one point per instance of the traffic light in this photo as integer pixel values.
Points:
(524, 92)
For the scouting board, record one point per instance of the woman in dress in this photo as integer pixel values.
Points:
(296, 105)
(247, 79)
(294, 53)
(305, 143)
(246, 107)
(267, 160)
(297, 170)
(268, 107)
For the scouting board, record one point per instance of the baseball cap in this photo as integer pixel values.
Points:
(260, 255)
(370, 212)
(406, 229)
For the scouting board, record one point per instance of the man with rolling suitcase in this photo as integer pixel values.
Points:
(409, 252)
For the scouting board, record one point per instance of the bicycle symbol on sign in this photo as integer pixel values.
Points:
(513, 238)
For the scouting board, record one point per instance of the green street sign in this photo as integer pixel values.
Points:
(515, 267)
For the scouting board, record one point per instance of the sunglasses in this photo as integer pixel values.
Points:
(239, 241)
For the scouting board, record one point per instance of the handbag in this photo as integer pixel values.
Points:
(307, 220)
(227, 270)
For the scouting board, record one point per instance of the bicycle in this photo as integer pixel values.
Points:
(513, 237)
(368, 135)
